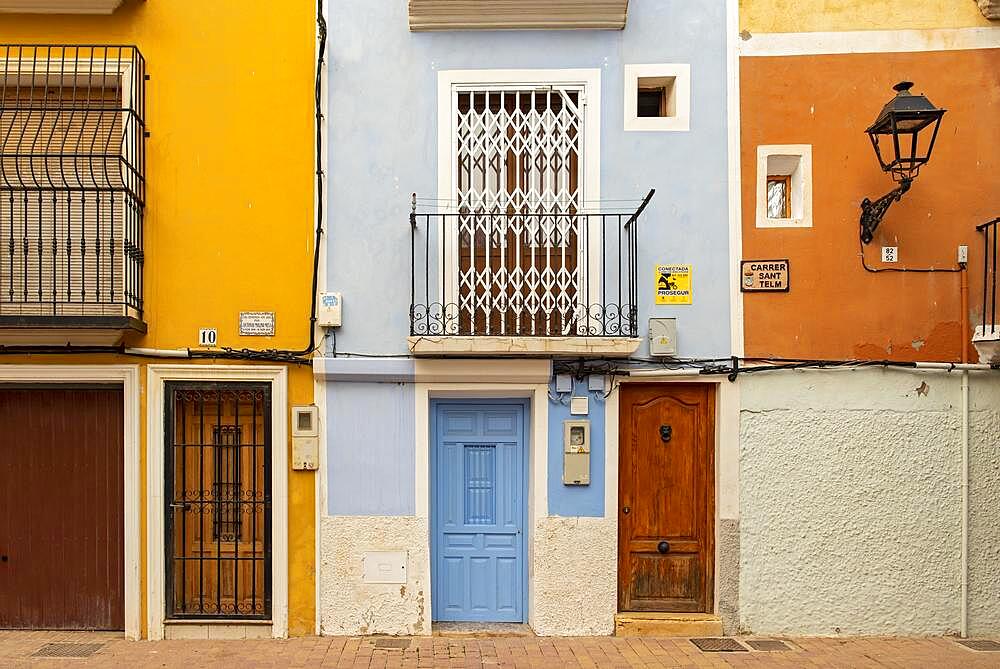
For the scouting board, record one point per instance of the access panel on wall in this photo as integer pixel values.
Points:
(218, 500)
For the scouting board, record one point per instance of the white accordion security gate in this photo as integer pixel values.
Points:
(519, 235)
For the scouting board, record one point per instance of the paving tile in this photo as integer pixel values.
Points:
(16, 649)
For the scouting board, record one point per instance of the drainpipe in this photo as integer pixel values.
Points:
(964, 628)
(965, 504)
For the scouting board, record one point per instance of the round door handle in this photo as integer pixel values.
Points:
(3, 558)
(627, 510)
(663, 546)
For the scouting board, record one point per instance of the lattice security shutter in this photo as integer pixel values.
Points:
(519, 193)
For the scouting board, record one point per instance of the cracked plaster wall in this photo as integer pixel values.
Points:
(575, 576)
(351, 607)
(851, 503)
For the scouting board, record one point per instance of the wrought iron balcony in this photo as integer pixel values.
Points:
(72, 193)
(987, 335)
(547, 272)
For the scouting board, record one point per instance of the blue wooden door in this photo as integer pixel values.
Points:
(478, 512)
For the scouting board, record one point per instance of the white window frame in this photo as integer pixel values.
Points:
(801, 186)
(451, 81)
(157, 376)
(681, 120)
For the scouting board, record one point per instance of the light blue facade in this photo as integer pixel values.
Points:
(383, 125)
(576, 500)
(382, 130)
(372, 451)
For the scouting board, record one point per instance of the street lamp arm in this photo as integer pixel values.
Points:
(873, 212)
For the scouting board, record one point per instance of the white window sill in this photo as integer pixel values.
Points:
(784, 223)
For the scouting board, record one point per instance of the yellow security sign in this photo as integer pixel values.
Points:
(673, 284)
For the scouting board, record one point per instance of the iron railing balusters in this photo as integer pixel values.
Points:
(72, 177)
(543, 288)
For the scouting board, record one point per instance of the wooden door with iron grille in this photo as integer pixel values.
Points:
(666, 497)
(519, 195)
(218, 511)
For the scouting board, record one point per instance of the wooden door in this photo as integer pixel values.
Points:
(666, 498)
(62, 508)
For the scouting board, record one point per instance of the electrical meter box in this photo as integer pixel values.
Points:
(329, 312)
(576, 452)
(663, 336)
(305, 437)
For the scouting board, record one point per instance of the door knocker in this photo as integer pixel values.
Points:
(666, 432)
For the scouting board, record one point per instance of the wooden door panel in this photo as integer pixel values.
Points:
(666, 498)
(62, 508)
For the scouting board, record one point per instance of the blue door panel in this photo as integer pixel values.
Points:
(478, 512)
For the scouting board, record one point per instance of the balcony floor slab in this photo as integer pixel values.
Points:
(618, 347)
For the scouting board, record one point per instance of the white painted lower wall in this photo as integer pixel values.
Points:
(850, 502)
(348, 605)
(575, 579)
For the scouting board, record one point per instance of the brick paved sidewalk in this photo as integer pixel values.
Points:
(17, 649)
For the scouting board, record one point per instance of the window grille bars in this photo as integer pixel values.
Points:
(72, 180)
(512, 293)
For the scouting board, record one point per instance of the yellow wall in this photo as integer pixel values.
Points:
(229, 219)
(780, 16)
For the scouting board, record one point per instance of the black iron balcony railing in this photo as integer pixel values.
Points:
(990, 326)
(541, 273)
(72, 184)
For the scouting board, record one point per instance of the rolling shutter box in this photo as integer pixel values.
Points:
(517, 14)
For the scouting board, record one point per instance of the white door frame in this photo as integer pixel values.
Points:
(157, 376)
(537, 459)
(127, 376)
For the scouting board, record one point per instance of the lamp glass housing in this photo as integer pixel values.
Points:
(904, 133)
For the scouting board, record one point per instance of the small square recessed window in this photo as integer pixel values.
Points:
(657, 97)
(784, 186)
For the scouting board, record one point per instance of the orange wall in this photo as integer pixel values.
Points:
(835, 309)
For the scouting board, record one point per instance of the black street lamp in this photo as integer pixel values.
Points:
(901, 120)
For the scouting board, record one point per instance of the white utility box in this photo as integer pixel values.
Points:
(576, 452)
(663, 336)
(329, 313)
(305, 437)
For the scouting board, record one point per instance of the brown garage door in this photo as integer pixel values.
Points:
(61, 508)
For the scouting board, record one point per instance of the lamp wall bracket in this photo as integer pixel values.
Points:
(872, 213)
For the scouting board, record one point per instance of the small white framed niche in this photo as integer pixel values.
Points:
(658, 97)
(784, 186)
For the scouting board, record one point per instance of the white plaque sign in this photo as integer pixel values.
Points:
(256, 323)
